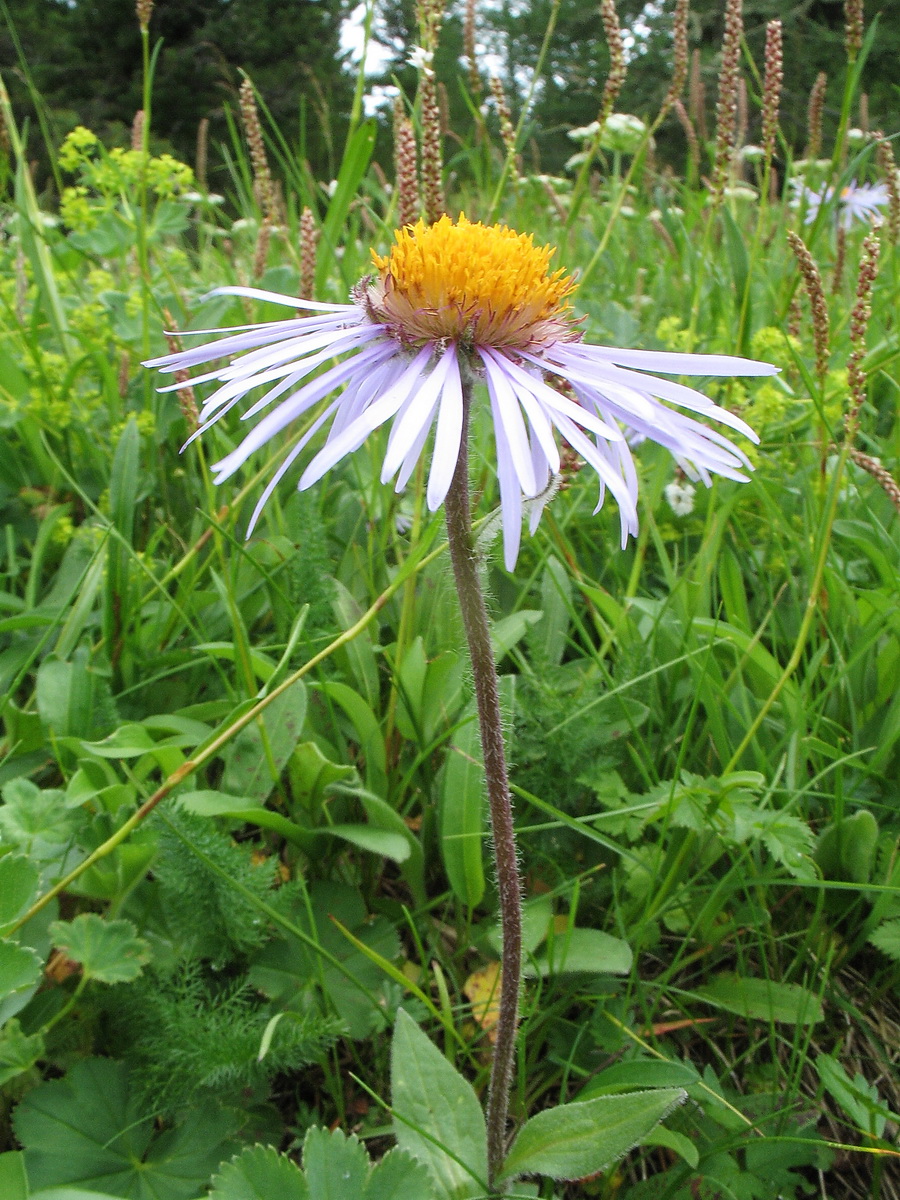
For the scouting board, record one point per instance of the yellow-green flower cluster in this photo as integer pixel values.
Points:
(671, 332)
(106, 176)
(775, 346)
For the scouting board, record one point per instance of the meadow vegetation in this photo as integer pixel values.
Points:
(246, 893)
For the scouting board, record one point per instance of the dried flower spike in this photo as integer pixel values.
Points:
(616, 44)
(679, 57)
(405, 172)
(884, 154)
(262, 176)
(877, 471)
(853, 27)
(309, 237)
(144, 11)
(469, 49)
(697, 95)
(689, 133)
(774, 77)
(859, 323)
(812, 281)
(814, 116)
(727, 106)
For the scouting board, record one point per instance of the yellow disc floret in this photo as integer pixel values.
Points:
(481, 285)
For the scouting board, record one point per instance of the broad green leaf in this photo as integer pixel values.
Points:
(437, 1116)
(582, 1138)
(18, 887)
(259, 1173)
(368, 731)
(763, 999)
(377, 841)
(684, 1147)
(37, 821)
(252, 763)
(20, 972)
(311, 775)
(556, 602)
(109, 951)
(13, 1181)
(509, 631)
(461, 805)
(335, 1166)
(399, 1177)
(69, 1193)
(89, 1130)
(18, 1052)
(640, 1073)
(582, 950)
(858, 1098)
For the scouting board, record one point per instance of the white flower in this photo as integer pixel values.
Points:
(584, 133)
(455, 303)
(680, 498)
(856, 202)
(421, 59)
(623, 132)
(857, 137)
(751, 154)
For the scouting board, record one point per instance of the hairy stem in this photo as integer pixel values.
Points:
(484, 673)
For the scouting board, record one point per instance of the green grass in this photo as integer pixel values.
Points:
(704, 728)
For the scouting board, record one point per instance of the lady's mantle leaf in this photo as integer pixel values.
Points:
(108, 951)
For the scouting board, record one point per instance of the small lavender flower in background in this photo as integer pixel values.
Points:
(855, 202)
(451, 303)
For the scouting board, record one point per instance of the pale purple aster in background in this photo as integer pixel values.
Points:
(453, 304)
(855, 202)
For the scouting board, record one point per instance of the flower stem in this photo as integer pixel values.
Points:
(484, 673)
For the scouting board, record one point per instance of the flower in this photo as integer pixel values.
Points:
(680, 497)
(421, 59)
(856, 202)
(623, 132)
(451, 304)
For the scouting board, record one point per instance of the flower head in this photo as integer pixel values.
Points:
(856, 202)
(451, 304)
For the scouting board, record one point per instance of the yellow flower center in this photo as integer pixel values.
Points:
(482, 285)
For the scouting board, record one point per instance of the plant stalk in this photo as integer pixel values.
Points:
(484, 672)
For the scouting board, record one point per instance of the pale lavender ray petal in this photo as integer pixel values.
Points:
(505, 406)
(295, 405)
(415, 416)
(538, 421)
(667, 362)
(253, 337)
(279, 298)
(378, 411)
(288, 462)
(543, 474)
(556, 403)
(613, 480)
(448, 433)
(510, 491)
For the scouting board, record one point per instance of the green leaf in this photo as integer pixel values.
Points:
(18, 1053)
(763, 1000)
(259, 1173)
(18, 887)
(580, 1139)
(684, 1147)
(376, 841)
(90, 1130)
(13, 1181)
(335, 1166)
(461, 804)
(109, 951)
(20, 973)
(399, 1177)
(252, 763)
(858, 1098)
(437, 1116)
(37, 821)
(887, 938)
(588, 950)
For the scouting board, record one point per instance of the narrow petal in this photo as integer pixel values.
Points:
(510, 491)
(449, 431)
(280, 298)
(556, 403)
(414, 419)
(505, 407)
(669, 363)
(376, 413)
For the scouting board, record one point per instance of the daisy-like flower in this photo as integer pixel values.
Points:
(856, 202)
(452, 304)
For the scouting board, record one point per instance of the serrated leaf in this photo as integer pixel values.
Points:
(335, 1166)
(37, 821)
(858, 1098)
(20, 971)
(437, 1117)
(109, 951)
(89, 1130)
(18, 1052)
(580, 1139)
(887, 938)
(399, 1177)
(763, 1000)
(259, 1173)
(18, 887)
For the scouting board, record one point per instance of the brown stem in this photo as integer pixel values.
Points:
(484, 673)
